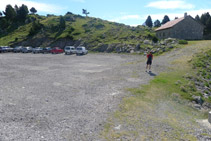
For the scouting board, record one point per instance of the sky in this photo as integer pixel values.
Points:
(129, 12)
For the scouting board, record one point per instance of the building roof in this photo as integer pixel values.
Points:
(170, 24)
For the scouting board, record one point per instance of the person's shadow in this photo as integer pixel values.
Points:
(152, 74)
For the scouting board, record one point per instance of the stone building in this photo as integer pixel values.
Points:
(182, 28)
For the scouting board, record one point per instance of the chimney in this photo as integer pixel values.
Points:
(185, 15)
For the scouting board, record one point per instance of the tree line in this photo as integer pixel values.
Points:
(205, 19)
(13, 17)
(17, 13)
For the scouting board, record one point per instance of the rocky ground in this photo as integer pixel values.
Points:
(58, 97)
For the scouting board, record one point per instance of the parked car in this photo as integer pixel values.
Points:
(56, 50)
(4, 49)
(1, 49)
(26, 49)
(70, 50)
(46, 50)
(81, 51)
(17, 49)
(9, 49)
(37, 50)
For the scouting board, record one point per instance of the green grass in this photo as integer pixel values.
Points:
(91, 30)
(164, 101)
(20, 33)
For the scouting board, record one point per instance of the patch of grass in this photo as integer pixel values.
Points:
(161, 104)
(183, 42)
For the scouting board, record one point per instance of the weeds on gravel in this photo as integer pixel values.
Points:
(160, 110)
(151, 106)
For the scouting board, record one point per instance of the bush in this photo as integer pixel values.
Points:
(183, 42)
(36, 26)
(155, 39)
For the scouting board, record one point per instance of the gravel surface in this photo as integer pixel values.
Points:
(68, 97)
(58, 97)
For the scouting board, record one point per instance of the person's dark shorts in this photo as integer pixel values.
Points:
(149, 62)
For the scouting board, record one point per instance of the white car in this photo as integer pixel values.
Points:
(81, 51)
(70, 50)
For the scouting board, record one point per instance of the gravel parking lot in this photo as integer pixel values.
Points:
(59, 97)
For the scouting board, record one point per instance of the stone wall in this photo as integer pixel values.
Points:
(163, 34)
(188, 29)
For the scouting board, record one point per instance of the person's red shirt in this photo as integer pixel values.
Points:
(148, 55)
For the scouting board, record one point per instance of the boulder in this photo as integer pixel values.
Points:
(147, 42)
(209, 117)
(198, 99)
(197, 106)
(110, 48)
(132, 51)
(169, 40)
(102, 47)
(138, 47)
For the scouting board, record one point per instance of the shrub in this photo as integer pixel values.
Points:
(36, 26)
(155, 39)
(183, 42)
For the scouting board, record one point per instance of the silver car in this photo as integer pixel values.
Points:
(81, 51)
(37, 50)
(26, 49)
(70, 50)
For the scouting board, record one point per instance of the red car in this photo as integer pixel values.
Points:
(56, 50)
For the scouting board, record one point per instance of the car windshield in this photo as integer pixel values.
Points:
(67, 48)
(79, 48)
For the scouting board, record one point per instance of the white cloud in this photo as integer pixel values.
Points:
(41, 7)
(127, 17)
(173, 4)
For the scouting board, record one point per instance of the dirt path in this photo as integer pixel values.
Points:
(157, 116)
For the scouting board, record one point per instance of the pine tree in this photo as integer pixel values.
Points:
(208, 25)
(62, 23)
(197, 18)
(149, 21)
(10, 13)
(165, 19)
(22, 13)
(84, 11)
(204, 18)
(33, 10)
(157, 23)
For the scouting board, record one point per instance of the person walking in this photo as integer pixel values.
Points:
(149, 61)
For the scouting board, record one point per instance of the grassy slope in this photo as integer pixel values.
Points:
(90, 30)
(202, 64)
(157, 111)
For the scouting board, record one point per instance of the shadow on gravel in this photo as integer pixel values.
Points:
(152, 74)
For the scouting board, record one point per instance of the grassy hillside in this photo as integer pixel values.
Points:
(85, 30)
